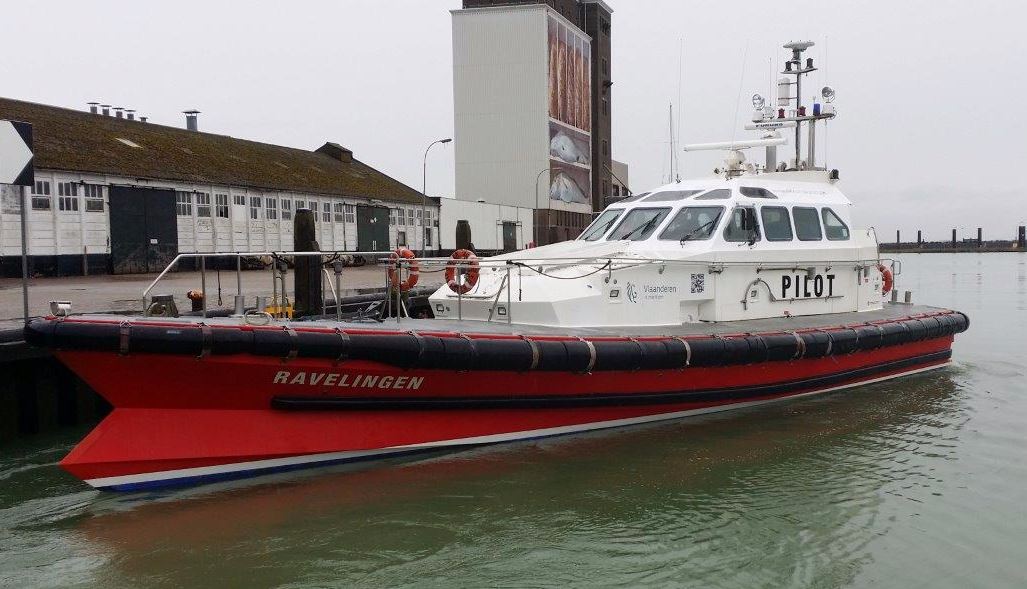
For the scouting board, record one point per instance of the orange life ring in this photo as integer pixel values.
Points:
(413, 269)
(469, 269)
(888, 277)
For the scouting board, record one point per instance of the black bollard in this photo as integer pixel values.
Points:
(309, 296)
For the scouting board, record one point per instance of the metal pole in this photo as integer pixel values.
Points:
(24, 255)
(338, 289)
(203, 284)
(238, 274)
(424, 189)
(509, 287)
(534, 220)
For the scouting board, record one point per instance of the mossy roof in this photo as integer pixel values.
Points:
(78, 141)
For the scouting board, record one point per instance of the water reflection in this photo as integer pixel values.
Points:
(660, 504)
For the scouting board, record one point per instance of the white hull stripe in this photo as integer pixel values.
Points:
(312, 459)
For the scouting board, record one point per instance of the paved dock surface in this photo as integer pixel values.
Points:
(123, 293)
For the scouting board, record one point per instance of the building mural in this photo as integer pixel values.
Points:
(570, 114)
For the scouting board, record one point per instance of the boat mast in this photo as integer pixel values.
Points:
(675, 176)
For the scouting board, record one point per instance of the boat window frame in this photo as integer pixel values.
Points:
(634, 197)
(620, 212)
(788, 223)
(712, 231)
(747, 239)
(666, 212)
(766, 194)
(816, 216)
(823, 218)
(677, 195)
(706, 195)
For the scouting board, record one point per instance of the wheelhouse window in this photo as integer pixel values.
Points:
(639, 224)
(693, 224)
(753, 192)
(717, 194)
(601, 225)
(635, 197)
(735, 229)
(671, 195)
(776, 224)
(807, 224)
(184, 203)
(834, 227)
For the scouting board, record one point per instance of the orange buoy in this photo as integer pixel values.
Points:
(413, 267)
(468, 268)
(888, 277)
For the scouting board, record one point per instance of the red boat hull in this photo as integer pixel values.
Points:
(180, 419)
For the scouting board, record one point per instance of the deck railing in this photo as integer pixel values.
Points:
(589, 265)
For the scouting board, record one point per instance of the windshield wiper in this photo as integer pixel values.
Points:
(688, 236)
(642, 228)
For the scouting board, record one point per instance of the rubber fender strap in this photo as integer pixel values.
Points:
(474, 351)
(124, 329)
(641, 352)
(591, 355)
(800, 346)
(688, 350)
(534, 352)
(207, 340)
(420, 345)
(343, 347)
(294, 348)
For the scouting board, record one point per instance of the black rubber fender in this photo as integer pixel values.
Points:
(503, 354)
(708, 351)
(818, 344)
(159, 339)
(779, 347)
(617, 355)
(87, 336)
(844, 341)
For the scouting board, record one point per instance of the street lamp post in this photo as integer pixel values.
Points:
(424, 191)
(535, 212)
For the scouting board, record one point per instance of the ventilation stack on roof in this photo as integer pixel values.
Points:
(93, 107)
(336, 152)
(191, 119)
(106, 109)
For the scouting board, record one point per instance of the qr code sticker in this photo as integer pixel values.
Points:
(698, 283)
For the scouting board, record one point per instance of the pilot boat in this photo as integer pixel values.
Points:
(749, 287)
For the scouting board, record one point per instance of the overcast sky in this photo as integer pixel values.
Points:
(930, 93)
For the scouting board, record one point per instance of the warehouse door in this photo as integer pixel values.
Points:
(372, 229)
(144, 230)
(509, 236)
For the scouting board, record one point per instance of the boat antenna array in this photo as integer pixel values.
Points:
(790, 113)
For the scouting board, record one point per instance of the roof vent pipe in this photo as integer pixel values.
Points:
(93, 107)
(190, 119)
(130, 114)
(105, 109)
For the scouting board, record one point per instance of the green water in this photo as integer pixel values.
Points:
(920, 482)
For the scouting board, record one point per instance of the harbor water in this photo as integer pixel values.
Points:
(919, 482)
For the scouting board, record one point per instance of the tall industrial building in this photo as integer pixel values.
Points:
(532, 109)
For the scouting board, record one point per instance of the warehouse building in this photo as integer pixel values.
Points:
(118, 194)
